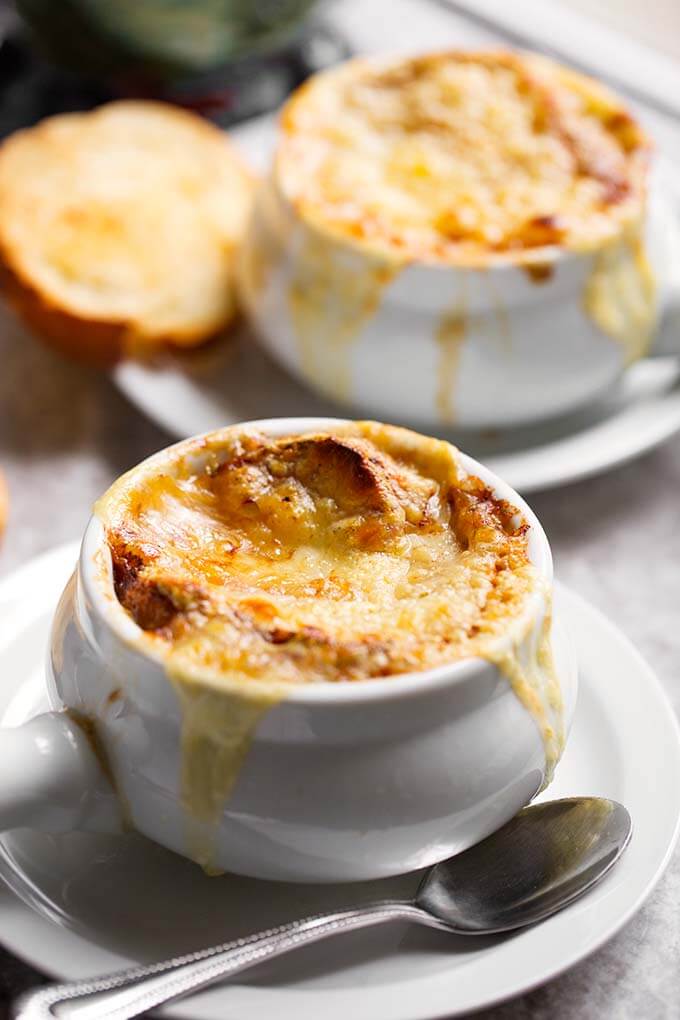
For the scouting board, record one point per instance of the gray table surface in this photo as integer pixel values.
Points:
(66, 433)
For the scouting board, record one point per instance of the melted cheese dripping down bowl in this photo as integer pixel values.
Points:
(460, 239)
(312, 781)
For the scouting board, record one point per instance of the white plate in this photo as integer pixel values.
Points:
(100, 901)
(234, 380)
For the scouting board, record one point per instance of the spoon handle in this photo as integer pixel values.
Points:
(129, 993)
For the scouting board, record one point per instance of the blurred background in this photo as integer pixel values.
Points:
(228, 59)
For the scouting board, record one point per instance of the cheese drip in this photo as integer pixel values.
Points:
(333, 295)
(217, 731)
(620, 294)
(530, 669)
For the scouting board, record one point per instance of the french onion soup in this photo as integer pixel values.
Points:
(323, 557)
(462, 157)
(254, 564)
(450, 211)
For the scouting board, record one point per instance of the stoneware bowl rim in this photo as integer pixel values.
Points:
(98, 586)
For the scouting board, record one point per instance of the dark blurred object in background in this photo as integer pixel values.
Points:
(228, 59)
(160, 38)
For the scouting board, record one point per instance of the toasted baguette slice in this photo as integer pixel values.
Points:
(118, 228)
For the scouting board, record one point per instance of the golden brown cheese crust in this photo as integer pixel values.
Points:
(461, 157)
(323, 557)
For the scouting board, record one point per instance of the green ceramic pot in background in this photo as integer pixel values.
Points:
(161, 39)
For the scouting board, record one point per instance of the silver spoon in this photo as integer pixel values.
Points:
(536, 864)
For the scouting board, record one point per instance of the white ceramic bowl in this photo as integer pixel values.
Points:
(454, 345)
(342, 781)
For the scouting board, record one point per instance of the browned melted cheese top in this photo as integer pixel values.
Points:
(339, 556)
(458, 156)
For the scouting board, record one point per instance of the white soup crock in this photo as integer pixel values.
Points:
(341, 782)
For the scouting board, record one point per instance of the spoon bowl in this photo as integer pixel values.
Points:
(537, 863)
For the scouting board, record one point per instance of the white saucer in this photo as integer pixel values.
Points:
(235, 380)
(99, 902)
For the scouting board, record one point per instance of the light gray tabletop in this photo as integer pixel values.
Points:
(66, 433)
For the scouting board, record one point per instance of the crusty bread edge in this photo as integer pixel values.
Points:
(100, 342)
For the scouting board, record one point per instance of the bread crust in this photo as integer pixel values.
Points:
(100, 343)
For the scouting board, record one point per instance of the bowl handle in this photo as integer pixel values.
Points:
(51, 779)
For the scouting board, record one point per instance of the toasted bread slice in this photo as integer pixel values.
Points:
(118, 228)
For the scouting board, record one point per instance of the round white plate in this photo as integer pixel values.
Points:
(99, 902)
(234, 380)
